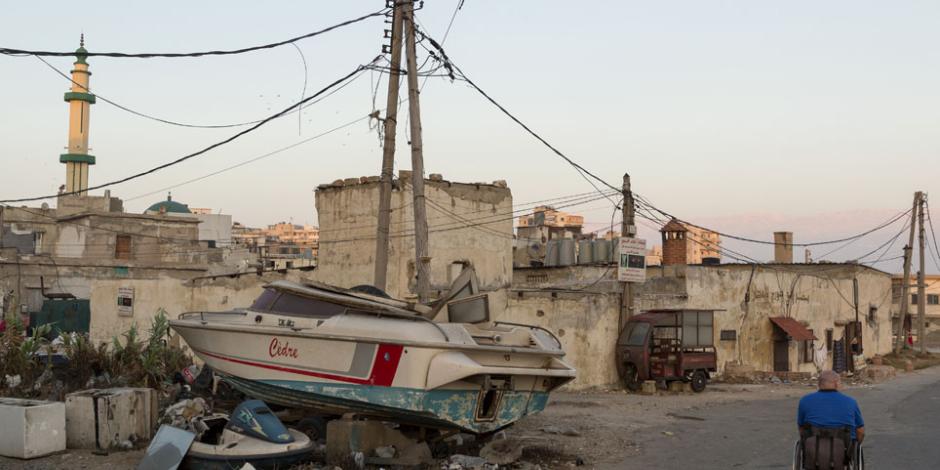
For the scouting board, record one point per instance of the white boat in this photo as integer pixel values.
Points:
(341, 351)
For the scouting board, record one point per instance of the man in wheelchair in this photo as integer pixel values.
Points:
(831, 428)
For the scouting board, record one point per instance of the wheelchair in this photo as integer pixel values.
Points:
(827, 449)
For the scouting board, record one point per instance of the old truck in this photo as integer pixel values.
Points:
(667, 345)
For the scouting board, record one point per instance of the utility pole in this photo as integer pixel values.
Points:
(422, 259)
(627, 229)
(921, 287)
(906, 280)
(388, 154)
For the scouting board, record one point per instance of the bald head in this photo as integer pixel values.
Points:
(829, 380)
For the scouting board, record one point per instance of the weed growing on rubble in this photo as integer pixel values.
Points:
(129, 360)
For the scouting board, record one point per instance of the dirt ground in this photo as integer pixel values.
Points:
(607, 423)
(595, 429)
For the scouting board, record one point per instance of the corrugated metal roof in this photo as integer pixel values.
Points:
(793, 328)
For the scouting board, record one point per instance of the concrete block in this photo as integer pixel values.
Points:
(103, 419)
(31, 428)
(648, 387)
(346, 436)
(679, 386)
(880, 373)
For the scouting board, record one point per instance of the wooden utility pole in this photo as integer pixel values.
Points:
(906, 280)
(921, 287)
(627, 229)
(422, 259)
(388, 155)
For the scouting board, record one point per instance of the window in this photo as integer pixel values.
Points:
(829, 339)
(933, 299)
(872, 312)
(635, 335)
(807, 350)
(913, 299)
(729, 335)
(122, 247)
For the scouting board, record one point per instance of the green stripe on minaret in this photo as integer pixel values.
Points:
(79, 96)
(77, 158)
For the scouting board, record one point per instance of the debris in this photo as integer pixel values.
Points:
(562, 430)
(775, 380)
(648, 387)
(126, 444)
(13, 381)
(187, 414)
(693, 418)
(502, 451)
(460, 461)
(668, 433)
(386, 452)
(880, 373)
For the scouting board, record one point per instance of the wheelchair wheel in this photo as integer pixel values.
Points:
(859, 462)
(798, 455)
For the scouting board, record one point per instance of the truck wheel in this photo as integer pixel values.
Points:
(699, 379)
(630, 379)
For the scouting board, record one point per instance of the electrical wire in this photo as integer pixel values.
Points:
(13, 51)
(933, 236)
(892, 220)
(197, 153)
(183, 124)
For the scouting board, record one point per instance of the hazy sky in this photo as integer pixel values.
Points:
(817, 117)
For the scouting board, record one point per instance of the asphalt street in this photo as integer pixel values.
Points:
(902, 418)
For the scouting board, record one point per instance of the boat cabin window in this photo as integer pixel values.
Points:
(272, 300)
(264, 301)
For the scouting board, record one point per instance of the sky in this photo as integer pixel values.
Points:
(748, 117)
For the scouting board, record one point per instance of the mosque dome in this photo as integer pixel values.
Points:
(169, 206)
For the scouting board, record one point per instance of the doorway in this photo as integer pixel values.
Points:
(781, 355)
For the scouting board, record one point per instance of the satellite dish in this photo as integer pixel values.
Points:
(45, 206)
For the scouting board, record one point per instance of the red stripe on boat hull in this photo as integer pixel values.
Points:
(384, 367)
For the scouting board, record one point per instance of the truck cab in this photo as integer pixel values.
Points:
(667, 345)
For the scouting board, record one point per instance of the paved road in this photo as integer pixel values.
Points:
(902, 419)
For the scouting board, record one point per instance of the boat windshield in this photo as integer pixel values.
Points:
(264, 301)
(272, 300)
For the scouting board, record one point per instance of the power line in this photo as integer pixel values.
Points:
(124, 55)
(182, 124)
(584, 172)
(252, 160)
(197, 153)
(894, 219)
(933, 235)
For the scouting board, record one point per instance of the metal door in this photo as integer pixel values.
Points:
(781, 356)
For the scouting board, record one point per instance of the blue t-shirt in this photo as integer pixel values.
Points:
(829, 409)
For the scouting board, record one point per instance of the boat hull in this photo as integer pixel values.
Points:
(439, 408)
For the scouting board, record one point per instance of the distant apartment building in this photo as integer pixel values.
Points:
(545, 223)
(281, 245)
(687, 244)
(931, 300)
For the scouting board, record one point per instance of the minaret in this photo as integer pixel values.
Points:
(77, 160)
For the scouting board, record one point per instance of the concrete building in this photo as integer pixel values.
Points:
(545, 223)
(215, 229)
(932, 301)
(467, 223)
(751, 302)
(687, 244)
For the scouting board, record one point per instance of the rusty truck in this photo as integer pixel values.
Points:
(666, 346)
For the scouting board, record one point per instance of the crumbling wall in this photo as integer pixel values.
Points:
(467, 223)
(586, 324)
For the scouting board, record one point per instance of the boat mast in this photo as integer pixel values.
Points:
(388, 153)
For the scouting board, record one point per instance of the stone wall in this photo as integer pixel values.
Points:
(467, 223)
